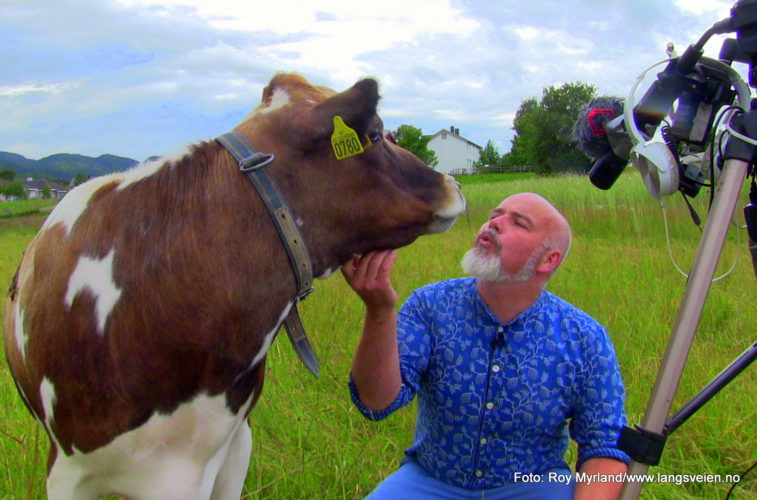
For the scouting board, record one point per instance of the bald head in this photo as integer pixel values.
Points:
(558, 229)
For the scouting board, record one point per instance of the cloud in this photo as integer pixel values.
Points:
(142, 77)
(705, 6)
(31, 88)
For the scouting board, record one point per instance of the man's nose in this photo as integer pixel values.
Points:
(495, 224)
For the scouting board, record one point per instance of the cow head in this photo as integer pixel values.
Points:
(384, 197)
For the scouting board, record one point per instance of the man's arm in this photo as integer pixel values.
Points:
(600, 490)
(376, 366)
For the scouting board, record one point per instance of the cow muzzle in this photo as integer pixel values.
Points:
(452, 207)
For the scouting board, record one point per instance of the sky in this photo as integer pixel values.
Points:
(137, 78)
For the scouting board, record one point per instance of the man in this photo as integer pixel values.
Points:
(502, 369)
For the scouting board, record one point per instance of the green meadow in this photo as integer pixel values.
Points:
(311, 443)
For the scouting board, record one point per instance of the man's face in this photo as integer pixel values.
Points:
(510, 245)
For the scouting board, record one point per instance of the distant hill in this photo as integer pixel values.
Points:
(65, 166)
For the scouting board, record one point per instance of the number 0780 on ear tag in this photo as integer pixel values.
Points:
(344, 140)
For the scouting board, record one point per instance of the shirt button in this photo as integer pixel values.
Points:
(489, 405)
(483, 441)
(479, 473)
(500, 329)
(495, 368)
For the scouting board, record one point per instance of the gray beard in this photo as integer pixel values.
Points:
(488, 267)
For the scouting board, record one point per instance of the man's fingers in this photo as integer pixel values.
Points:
(363, 272)
(386, 265)
(349, 268)
(374, 263)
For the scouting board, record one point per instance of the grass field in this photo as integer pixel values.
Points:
(311, 443)
(25, 207)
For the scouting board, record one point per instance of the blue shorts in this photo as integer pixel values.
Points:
(412, 482)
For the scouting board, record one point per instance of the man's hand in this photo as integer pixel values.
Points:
(376, 366)
(370, 276)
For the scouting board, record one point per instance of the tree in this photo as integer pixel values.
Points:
(543, 130)
(412, 139)
(7, 174)
(526, 128)
(489, 156)
(46, 192)
(14, 189)
(79, 179)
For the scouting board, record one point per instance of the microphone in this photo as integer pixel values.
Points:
(600, 133)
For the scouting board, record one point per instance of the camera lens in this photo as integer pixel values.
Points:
(606, 170)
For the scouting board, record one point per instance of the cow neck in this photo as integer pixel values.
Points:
(252, 163)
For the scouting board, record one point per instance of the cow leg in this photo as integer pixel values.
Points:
(65, 482)
(230, 481)
(174, 478)
(63, 491)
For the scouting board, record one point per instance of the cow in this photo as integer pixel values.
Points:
(137, 324)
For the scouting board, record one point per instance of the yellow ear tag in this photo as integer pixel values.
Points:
(344, 140)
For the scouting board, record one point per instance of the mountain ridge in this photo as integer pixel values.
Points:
(65, 166)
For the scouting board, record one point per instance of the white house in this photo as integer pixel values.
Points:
(35, 188)
(455, 153)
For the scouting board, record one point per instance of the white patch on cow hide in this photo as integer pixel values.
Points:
(175, 456)
(19, 333)
(143, 171)
(150, 168)
(270, 336)
(47, 396)
(96, 276)
(69, 209)
(279, 99)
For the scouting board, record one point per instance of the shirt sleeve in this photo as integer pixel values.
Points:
(599, 412)
(414, 344)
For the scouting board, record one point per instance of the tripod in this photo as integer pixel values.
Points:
(646, 442)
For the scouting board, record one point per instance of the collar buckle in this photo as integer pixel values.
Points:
(255, 161)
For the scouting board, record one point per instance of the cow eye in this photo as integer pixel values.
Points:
(375, 135)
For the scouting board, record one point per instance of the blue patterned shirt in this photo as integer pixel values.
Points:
(498, 398)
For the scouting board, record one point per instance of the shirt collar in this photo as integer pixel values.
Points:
(532, 310)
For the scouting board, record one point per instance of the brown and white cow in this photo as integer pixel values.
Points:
(138, 322)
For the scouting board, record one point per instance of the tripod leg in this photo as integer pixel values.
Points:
(720, 381)
(690, 312)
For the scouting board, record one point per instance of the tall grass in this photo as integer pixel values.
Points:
(311, 443)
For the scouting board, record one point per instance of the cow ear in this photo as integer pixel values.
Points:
(356, 106)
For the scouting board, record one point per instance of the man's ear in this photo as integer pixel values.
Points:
(550, 261)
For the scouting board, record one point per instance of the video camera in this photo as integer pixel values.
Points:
(686, 102)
